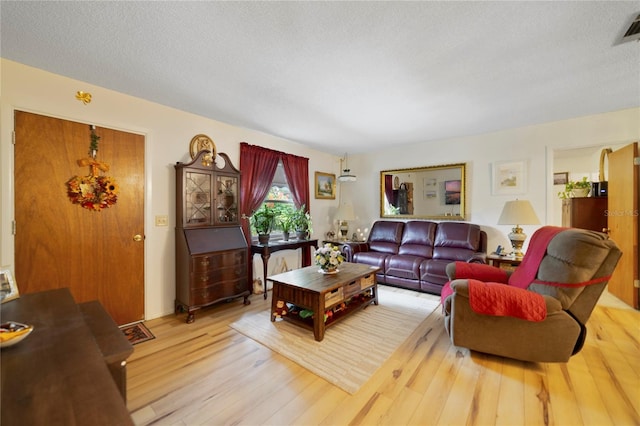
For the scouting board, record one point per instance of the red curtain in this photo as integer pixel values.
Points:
(257, 167)
(296, 169)
(388, 188)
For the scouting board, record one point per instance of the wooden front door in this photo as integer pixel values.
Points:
(623, 221)
(60, 244)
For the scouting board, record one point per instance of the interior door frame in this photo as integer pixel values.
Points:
(7, 220)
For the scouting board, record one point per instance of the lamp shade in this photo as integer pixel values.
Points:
(345, 212)
(518, 212)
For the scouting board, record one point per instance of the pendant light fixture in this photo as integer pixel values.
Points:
(346, 175)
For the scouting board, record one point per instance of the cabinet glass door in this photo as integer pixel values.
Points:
(226, 199)
(197, 199)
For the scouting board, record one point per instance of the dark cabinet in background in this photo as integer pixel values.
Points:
(585, 213)
(211, 251)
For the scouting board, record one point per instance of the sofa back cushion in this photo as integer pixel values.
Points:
(385, 236)
(418, 238)
(457, 241)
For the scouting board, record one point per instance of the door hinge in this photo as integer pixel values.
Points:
(636, 283)
(636, 161)
(13, 227)
(13, 137)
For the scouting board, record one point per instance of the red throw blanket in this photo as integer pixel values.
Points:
(528, 269)
(480, 271)
(504, 300)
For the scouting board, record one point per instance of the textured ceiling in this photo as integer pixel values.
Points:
(343, 76)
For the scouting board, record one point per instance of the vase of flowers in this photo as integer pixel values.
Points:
(328, 258)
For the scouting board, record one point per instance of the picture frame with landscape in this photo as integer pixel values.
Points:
(325, 184)
(509, 177)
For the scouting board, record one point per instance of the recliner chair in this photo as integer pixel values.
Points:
(538, 312)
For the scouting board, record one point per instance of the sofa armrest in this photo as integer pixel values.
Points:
(478, 258)
(351, 248)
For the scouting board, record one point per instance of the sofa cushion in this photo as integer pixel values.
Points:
(457, 241)
(385, 236)
(403, 266)
(434, 271)
(418, 239)
(372, 258)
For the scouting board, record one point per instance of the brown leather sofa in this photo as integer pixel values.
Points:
(415, 254)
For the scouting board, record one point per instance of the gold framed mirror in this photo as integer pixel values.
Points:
(433, 192)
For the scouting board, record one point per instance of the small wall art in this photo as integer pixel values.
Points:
(560, 178)
(509, 177)
(325, 184)
(8, 286)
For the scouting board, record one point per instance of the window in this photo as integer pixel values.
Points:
(279, 198)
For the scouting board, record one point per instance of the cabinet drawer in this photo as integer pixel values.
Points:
(218, 291)
(333, 297)
(218, 260)
(207, 278)
(367, 281)
(352, 288)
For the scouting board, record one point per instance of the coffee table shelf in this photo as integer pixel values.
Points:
(351, 307)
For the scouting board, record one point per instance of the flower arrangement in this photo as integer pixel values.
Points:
(329, 257)
(93, 192)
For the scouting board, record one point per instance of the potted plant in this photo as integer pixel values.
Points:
(285, 222)
(576, 189)
(262, 221)
(301, 222)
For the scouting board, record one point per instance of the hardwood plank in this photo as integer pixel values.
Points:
(511, 394)
(485, 398)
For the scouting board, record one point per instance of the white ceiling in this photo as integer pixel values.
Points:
(343, 76)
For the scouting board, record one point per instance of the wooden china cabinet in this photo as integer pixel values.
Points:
(211, 251)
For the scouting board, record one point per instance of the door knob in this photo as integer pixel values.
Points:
(138, 237)
(606, 230)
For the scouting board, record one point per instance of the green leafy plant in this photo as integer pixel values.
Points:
(284, 219)
(263, 220)
(571, 185)
(301, 220)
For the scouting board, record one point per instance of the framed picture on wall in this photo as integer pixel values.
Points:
(8, 287)
(325, 184)
(509, 177)
(560, 178)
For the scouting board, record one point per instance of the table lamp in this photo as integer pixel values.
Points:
(518, 212)
(344, 214)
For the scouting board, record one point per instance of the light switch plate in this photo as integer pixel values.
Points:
(162, 220)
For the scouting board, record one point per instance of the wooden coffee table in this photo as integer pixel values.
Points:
(353, 288)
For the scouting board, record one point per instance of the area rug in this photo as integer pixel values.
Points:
(352, 350)
(137, 333)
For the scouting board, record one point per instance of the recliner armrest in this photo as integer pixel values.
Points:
(478, 271)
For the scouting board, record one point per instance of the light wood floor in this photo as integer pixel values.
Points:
(207, 373)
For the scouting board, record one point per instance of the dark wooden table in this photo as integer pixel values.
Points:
(308, 288)
(504, 262)
(265, 250)
(57, 375)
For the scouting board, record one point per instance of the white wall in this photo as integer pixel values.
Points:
(534, 144)
(167, 132)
